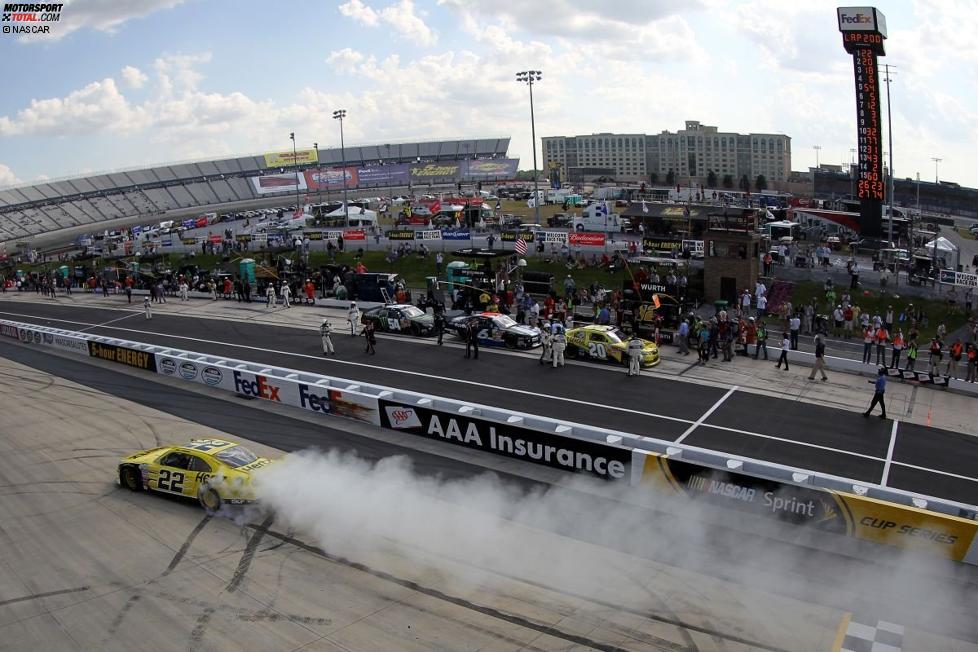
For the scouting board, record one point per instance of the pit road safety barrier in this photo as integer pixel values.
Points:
(771, 491)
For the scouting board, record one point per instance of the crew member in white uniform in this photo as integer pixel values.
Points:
(286, 293)
(269, 296)
(324, 331)
(558, 345)
(635, 347)
(353, 316)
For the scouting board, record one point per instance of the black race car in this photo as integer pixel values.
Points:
(400, 318)
(495, 329)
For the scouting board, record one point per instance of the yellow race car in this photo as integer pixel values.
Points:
(214, 471)
(607, 344)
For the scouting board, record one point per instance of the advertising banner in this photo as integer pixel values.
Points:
(846, 514)
(400, 234)
(354, 234)
(8, 330)
(768, 498)
(560, 237)
(586, 239)
(242, 237)
(433, 234)
(330, 178)
(565, 453)
(500, 168)
(274, 183)
(66, 343)
(950, 277)
(123, 355)
(456, 234)
(662, 246)
(511, 236)
(397, 174)
(287, 159)
(188, 241)
(332, 235)
(908, 527)
(426, 173)
(313, 235)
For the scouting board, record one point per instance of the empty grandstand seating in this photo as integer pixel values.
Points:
(81, 201)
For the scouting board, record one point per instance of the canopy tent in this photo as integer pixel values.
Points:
(945, 251)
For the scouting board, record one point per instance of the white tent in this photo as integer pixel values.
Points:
(355, 211)
(945, 251)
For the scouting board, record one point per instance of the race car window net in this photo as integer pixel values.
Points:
(413, 312)
(236, 456)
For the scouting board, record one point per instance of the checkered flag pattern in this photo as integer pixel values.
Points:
(884, 637)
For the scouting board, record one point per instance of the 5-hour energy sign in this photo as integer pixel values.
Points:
(30, 17)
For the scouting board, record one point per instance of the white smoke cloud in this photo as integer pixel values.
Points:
(474, 534)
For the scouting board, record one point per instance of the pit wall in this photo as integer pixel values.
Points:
(765, 490)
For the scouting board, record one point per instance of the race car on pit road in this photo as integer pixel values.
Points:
(400, 318)
(213, 471)
(606, 344)
(495, 329)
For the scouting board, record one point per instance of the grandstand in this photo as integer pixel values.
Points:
(61, 209)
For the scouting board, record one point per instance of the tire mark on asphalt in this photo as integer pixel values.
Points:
(186, 545)
(38, 596)
(119, 617)
(913, 399)
(491, 612)
(200, 627)
(249, 552)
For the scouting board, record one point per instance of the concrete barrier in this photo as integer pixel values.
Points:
(797, 496)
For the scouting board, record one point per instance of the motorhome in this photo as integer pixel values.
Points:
(598, 217)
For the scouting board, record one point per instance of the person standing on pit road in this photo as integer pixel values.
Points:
(897, 348)
(794, 325)
(184, 289)
(559, 344)
(546, 340)
(371, 337)
(269, 296)
(761, 340)
(353, 316)
(683, 335)
(819, 359)
(878, 394)
(472, 339)
(325, 330)
(128, 293)
(147, 309)
(882, 337)
(634, 350)
(286, 293)
(440, 325)
(785, 346)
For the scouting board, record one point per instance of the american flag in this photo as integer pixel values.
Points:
(520, 246)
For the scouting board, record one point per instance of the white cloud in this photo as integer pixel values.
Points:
(7, 176)
(643, 30)
(359, 12)
(344, 61)
(401, 17)
(98, 106)
(102, 15)
(133, 77)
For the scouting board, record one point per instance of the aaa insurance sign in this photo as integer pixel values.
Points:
(566, 453)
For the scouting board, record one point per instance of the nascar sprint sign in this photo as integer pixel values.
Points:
(509, 440)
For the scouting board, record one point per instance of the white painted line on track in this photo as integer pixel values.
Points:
(706, 415)
(461, 381)
(889, 453)
(693, 424)
(945, 473)
(111, 321)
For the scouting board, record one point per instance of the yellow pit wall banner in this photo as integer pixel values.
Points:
(826, 510)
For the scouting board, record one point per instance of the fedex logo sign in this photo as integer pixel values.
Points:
(311, 401)
(860, 19)
(259, 387)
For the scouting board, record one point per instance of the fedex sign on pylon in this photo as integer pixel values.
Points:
(861, 19)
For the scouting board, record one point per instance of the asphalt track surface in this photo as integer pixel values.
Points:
(924, 460)
(761, 564)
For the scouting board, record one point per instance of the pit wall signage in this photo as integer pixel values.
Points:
(565, 453)
(822, 509)
(122, 355)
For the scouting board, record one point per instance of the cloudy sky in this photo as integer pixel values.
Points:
(124, 83)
